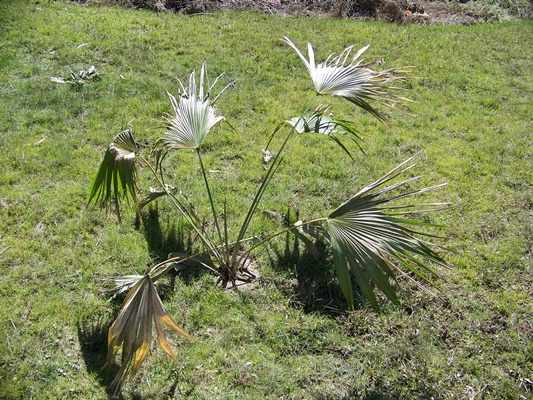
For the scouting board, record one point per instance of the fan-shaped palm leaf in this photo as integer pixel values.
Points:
(345, 76)
(325, 125)
(194, 115)
(367, 234)
(115, 179)
(133, 329)
(319, 123)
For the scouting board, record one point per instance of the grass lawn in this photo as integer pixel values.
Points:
(289, 336)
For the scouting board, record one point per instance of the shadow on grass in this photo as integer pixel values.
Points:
(165, 238)
(92, 336)
(315, 287)
(161, 244)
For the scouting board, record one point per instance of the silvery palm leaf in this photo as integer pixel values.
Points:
(321, 124)
(115, 179)
(368, 233)
(325, 125)
(194, 115)
(345, 76)
(133, 329)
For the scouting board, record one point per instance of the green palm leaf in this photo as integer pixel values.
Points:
(367, 236)
(328, 126)
(115, 179)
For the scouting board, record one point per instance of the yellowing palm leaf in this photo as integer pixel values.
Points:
(133, 329)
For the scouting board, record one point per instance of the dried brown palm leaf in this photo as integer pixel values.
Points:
(133, 329)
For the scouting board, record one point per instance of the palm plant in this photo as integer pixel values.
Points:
(370, 235)
(78, 79)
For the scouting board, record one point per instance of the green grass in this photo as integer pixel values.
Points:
(290, 336)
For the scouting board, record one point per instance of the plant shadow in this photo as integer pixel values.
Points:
(165, 237)
(92, 336)
(314, 287)
(161, 244)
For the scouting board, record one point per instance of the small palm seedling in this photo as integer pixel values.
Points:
(370, 235)
(78, 79)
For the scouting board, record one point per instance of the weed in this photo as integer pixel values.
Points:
(78, 79)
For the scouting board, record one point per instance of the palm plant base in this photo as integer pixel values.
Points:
(246, 274)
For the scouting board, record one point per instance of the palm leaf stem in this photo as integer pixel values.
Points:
(212, 248)
(266, 180)
(204, 174)
(157, 271)
(205, 240)
(225, 243)
(279, 233)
